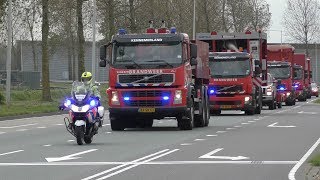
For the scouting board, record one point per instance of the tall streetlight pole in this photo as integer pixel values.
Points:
(94, 40)
(194, 20)
(8, 81)
(316, 75)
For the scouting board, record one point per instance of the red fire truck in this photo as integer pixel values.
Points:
(155, 75)
(300, 77)
(280, 58)
(238, 70)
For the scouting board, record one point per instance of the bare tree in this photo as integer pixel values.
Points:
(46, 95)
(260, 14)
(81, 42)
(301, 20)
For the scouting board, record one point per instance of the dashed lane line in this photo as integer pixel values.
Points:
(211, 135)
(12, 152)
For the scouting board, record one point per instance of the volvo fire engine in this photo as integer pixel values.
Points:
(238, 70)
(157, 74)
(280, 58)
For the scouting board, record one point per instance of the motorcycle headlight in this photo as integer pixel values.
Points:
(288, 93)
(269, 93)
(84, 108)
(177, 97)
(67, 103)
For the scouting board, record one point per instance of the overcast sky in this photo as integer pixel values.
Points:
(277, 8)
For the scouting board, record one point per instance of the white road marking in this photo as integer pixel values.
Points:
(108, 132)
(237, 126)
(230, 128)
(275, 125)
(160, 122)
(59, 124)
(186, 144)
(41, 127)
(251, 121)
(11, 152)
(245, 123)
(106, 125)
(296, 107)
(209, 156)
(211, 135)
(125, 164)
(47, 145)
(20, 130)
(302, 112)
(149, 163)
(256, 119)
(71, 140)
(199, 139)
(2, 132)
(293, 171)
(69, 157)
(24, 125)
(135, 165)
(221, 131)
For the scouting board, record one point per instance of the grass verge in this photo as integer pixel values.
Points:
(317, 101)
(26, 101)
(315, 161)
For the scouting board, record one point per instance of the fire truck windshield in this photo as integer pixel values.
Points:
(227, 68)
(299, 74)
(280, 72)
(134, 55)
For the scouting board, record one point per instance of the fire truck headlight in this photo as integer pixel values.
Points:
(115, 98)
(246, 99)
(269, 93)
(288, 93)
(177, 97)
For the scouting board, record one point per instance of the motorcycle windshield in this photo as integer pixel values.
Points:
(79, 91)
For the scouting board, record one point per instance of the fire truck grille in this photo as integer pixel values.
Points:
(146, 78)
(225, 103)
(145, 93)
(146, 103)
(231, 88)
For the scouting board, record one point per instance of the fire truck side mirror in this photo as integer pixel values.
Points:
(103, 63)
(310, 75)
(305, 74)
(193, 51)
(257, 71)
(193, 62)
(295, 74)
(103, 52)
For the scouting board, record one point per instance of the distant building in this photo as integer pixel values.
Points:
(58, 59)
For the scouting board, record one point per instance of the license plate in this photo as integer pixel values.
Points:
(225, 106)
(147, 110)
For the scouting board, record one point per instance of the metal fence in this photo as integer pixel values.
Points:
(25, 79)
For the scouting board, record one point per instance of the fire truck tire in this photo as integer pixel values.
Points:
(207, 103)
(294, 102)
(317, 95)
(259, 103)
(200, 119)
(250, 112)
(186, 122)
(115, 124)
(279, 105)
(271, 106)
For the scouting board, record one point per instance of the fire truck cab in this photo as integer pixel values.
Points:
(238, 70)
(155, 75)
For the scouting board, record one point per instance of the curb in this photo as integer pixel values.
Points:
(32, 115)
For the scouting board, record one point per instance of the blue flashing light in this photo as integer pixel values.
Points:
(296, 85)
(173, 30)
(122, 31)
(165, 98)
(68, 102)
(126, 98)
(92, 103)
(281, 88)
(211, 91)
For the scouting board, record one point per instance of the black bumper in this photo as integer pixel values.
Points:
(160, 112)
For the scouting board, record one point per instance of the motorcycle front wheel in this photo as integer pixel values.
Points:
(79, 131)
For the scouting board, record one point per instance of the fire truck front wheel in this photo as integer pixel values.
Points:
(116, 123)
(186, 121)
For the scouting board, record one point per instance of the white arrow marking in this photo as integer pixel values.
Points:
(11, 152)
(302, 112)
(209, 156)
(69, 157)
(11, 127)
(275, 125)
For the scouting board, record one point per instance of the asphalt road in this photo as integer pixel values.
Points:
(272, 146)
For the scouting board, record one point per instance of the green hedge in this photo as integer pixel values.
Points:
(2, 98)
